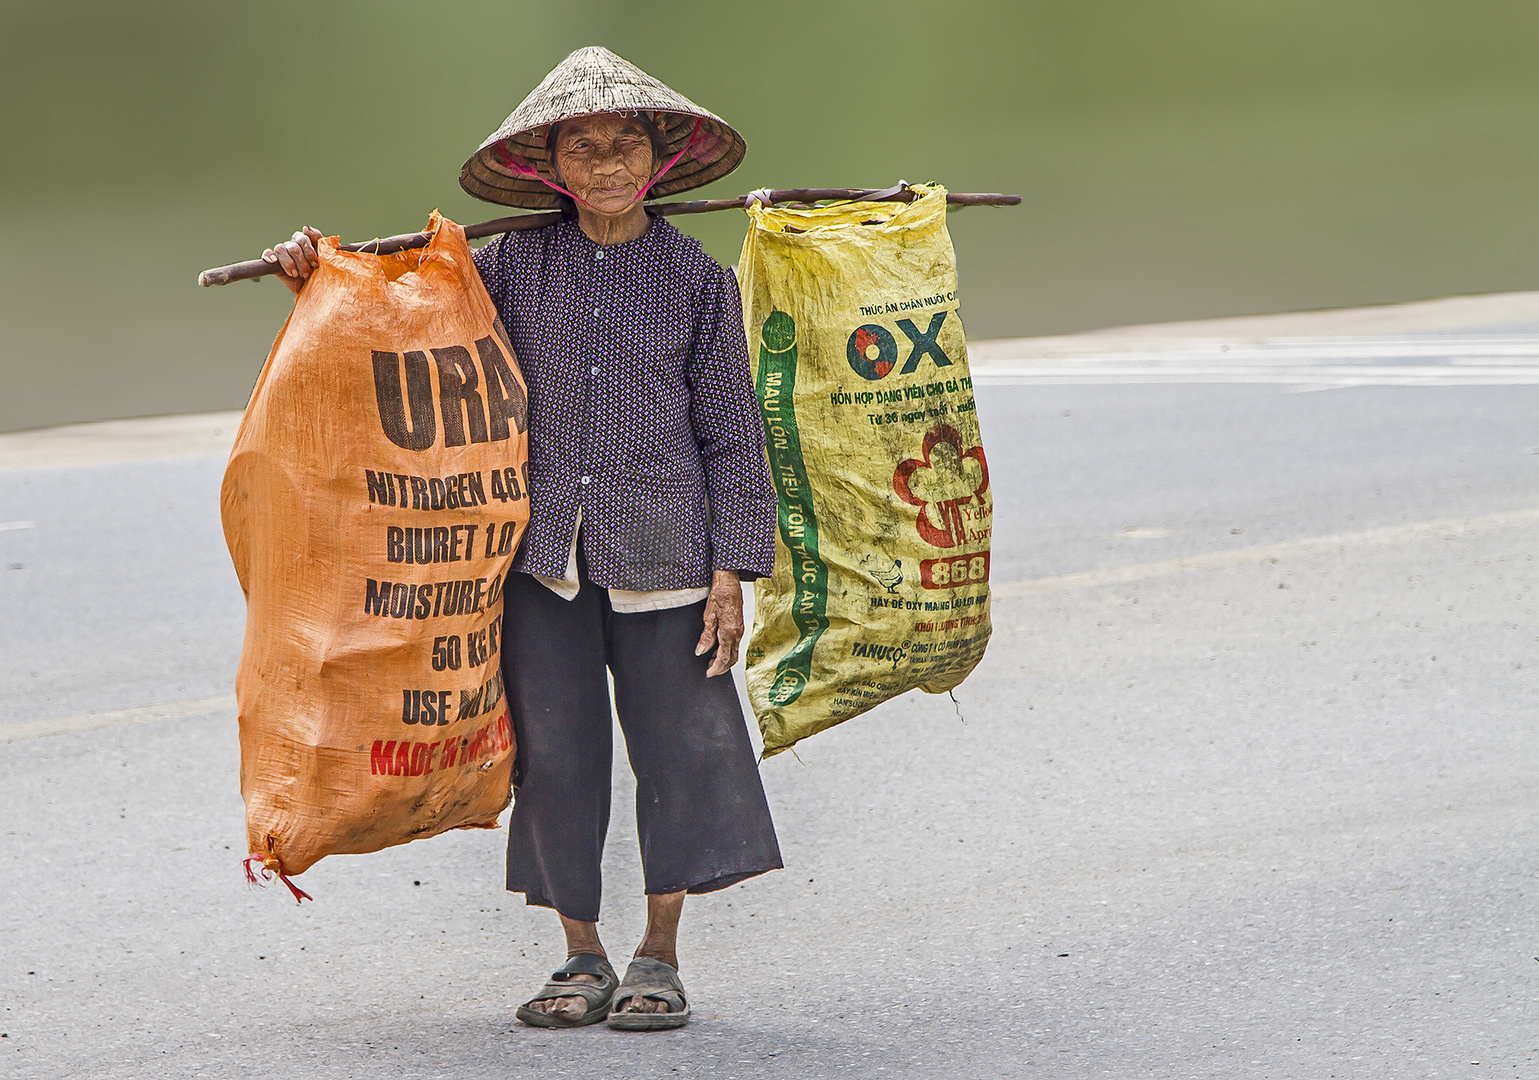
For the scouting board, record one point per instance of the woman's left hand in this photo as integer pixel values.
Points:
(723, 622)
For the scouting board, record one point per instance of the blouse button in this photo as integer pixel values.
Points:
(586, 480)
(596, 312)
(599, 254)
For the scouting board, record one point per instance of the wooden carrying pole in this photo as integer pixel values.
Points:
(257, 268)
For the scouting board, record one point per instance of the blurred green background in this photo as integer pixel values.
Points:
(1179, 159)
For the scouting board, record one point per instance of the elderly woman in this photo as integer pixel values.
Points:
(650, 503)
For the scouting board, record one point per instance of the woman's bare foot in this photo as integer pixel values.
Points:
(581, 937)
(660, 943)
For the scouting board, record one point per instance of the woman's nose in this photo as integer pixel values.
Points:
(608, 160)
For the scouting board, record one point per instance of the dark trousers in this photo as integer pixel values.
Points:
(703, 820)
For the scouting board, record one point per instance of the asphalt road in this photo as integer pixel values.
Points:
(1226, 799)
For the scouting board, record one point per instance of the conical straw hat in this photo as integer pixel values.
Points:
(595, 80)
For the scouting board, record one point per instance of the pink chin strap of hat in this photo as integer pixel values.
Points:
(520, 166)
(694, 137)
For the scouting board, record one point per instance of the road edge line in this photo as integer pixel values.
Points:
(143, 714)
(1261, 553)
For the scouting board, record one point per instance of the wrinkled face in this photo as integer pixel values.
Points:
(605, 160)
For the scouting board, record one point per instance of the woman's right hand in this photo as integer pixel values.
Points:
(296, 258)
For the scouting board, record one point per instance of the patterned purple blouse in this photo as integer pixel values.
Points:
(641, 409)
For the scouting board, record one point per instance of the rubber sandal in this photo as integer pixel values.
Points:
(598, 995)
(653, 979)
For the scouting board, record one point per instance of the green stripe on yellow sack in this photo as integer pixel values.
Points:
(798, 520)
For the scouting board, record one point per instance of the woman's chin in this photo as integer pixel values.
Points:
(615, 202)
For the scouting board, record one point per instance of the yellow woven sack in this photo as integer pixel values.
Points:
(882, 565)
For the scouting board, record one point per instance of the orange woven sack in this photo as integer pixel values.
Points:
(372, 504)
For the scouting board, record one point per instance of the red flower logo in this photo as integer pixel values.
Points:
(942, 476)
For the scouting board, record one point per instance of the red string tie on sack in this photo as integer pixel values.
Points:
(266, 873)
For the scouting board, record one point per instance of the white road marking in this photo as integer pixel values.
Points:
(1314, 363)
(1322, 377)
(12, 526)
(1321, 363)
(1388, 536)
(144, 714)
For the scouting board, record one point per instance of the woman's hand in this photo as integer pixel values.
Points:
(297, 258)
(723, 622)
